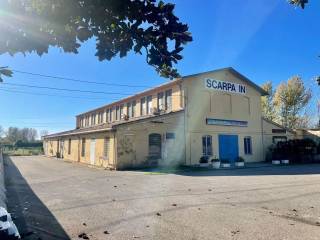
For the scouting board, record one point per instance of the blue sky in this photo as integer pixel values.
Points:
(263, 39)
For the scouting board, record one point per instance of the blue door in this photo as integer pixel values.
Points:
(228, 147)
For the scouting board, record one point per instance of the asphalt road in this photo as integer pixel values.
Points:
(52, 199)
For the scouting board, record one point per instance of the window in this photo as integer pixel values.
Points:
(106, 149)
(168, 100)
(247, 145)
(81, 122)
(133, 113)
(93, 119)
(87, 121)
(129, 110)
(170, 135)
(155, 145)
(121, 111)
(149, 104)
(107, 115)
(160, 102)
(69, 146)
(117, 113)
(110, 115)
(279, 131)
(207, 145)
(100, 117)
(143, 106)
(83, 147)
(98, 120)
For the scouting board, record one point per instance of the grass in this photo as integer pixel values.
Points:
(23, 151)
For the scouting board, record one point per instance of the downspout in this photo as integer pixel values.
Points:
(115, 150)
(79, 149)
(262, 135)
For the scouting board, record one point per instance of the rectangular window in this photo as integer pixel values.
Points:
(107, 115)
(69, 146)
(93, 119)
(110, 115)
(87, 120)
(160, 101)
(121, 111)
(100, 117)
(106, 149)
(149, 104)
(170, 135)
(117, 113)
(129, 110)
(83, 147)
(168, 100)
(133, 110)
(247, 146)
(207, 145)
(143, 106)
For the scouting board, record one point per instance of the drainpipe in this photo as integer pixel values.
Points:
(262, 135)
(79, 149)
(115, 150)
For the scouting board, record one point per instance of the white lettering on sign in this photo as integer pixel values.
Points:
(225, 86)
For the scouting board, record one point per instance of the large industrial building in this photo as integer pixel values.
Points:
(216, 113)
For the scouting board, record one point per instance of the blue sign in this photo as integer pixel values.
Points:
(223, 122)
(224, 86)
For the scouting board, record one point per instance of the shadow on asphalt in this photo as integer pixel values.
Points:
(32, 217)
(303, 169)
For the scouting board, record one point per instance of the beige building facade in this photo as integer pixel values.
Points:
(216, 114)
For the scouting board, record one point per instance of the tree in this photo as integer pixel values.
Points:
(1, 131)
(299, 3)
(44, 133)
(290, 99)
(267, 106)
(118, 26)
(15, 134)
(12, 134)
(32, 134)
(4, 71)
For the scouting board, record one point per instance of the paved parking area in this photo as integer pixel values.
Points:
(53, 199)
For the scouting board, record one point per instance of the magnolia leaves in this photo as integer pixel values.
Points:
(4, 71)
(299, 3)
(117, 26)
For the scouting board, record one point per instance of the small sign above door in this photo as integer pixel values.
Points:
(223, 122)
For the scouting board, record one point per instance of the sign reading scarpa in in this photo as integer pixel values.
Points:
(224, 86)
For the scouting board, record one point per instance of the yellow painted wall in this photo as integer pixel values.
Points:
(205, 103)
(76, 147)
(133, 139)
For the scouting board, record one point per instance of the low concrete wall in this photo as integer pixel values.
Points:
(2, 186)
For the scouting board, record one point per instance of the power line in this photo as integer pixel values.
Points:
(66, 89)
(79, 80)
(50, 95)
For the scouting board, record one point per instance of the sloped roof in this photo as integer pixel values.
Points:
(278, 125)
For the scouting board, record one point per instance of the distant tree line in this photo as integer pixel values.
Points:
(20, 137)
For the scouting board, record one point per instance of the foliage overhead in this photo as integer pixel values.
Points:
(299, 3)
(4, 71)
(118, 26)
